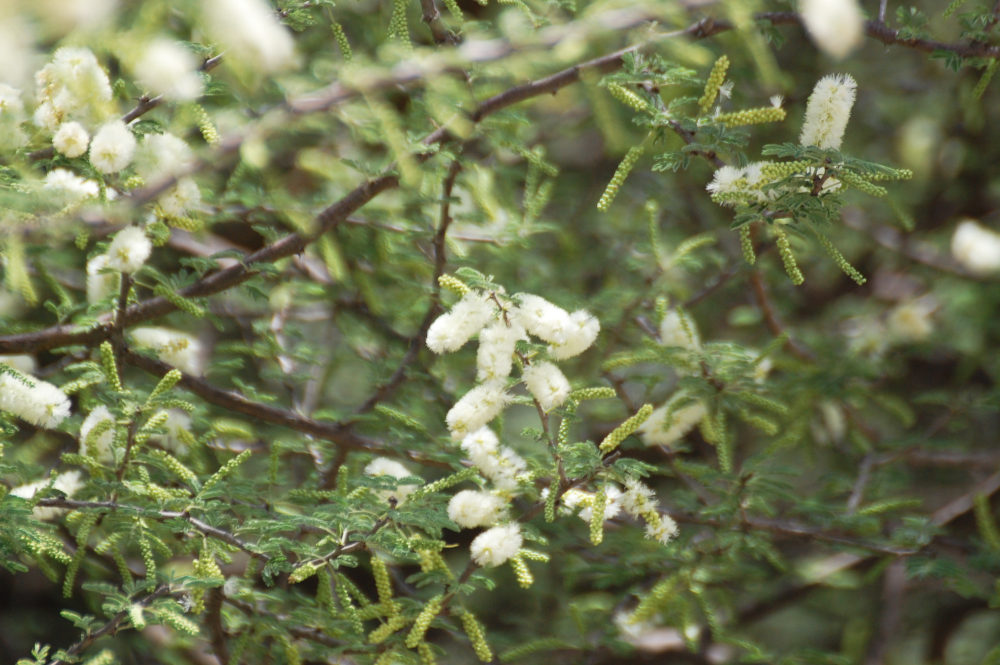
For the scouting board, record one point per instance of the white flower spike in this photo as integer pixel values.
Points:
(828, 111)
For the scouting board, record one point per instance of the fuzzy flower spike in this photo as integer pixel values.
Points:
(32, 400)
(828, 111)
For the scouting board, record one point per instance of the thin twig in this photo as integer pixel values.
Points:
(159, 515)
(110, 627)
(771, 317)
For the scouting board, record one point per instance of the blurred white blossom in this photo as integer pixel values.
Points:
(836, 26)
(976, 247)
(172, 347)
(167, 68)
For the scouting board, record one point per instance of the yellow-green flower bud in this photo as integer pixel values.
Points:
(619, 434)
(861, 184)
(602, 392)
(383, 586)
(652, 601)
(423, 621)
(755, 116)
(772, 171)
(524, 577)
(746, 244)
(715, 80)
(303, 572)
(597, 515)
(618, 179)
(787, 258)
(109, 366)
(380, 634)
(839, 259)
(426, 654)
(453, 284)
(476, 636)
(341, 38)
(628, 98)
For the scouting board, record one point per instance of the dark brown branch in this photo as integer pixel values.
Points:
(235, 402)
(213, 618)
(432, 17)
(771, 317)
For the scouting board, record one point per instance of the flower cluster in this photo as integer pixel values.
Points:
(68, 187)
(500, 464)
(827, 113)
(32, 400)
(161, 156)
(472, 508)
(501, 321)
(112, 147)
(635, 500)
(495, 546)
(129, 250)
(73, 87)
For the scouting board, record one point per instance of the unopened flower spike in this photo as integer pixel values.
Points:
(621, 173)
(746, 245)
(784, 246)
(453, 284)
(627, 97)
(524, 577)
(715, 80)
(755, 116)
(620, 433)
